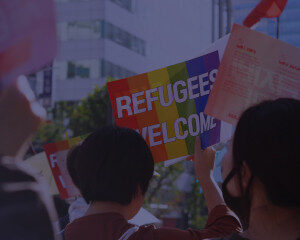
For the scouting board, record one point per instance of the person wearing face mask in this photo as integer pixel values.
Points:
(261, 171)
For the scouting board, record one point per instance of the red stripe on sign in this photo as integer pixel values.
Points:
(120, 91)
(51, 150)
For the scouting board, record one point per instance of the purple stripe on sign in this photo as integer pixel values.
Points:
(211, 61)
(211, 137)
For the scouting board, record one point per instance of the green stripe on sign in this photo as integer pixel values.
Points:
(185, 109)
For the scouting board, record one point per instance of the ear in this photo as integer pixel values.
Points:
(138, 193)
(245, 175)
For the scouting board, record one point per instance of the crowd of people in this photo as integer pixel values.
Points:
(113, 167)
(259, 198)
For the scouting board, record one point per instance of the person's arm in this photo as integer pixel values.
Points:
(21, 116)
(221, 221)
(204, 165)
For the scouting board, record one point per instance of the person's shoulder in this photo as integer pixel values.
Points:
(12, 171)
(97, 225)
(150, 232)
(231, 237)
(23, 204)
(145, 232)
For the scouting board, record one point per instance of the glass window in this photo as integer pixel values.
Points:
(76, 30)
(114, 71)
(79, 69)
(124, 38)
(126, 4)
(71, 70)
(84, 29)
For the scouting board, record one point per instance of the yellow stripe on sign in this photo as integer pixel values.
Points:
(167, 114)
(74, 141)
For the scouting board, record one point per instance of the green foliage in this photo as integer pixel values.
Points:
(62, 111)
(47, 133)
(91, 113)
(163, 189)
(167, 175)
(196, 207)
(82, 118)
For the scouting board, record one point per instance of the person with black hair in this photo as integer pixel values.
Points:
(112, 168)
(261, 171)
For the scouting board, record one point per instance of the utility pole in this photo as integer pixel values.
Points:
(221, 26)
(213, 2)
(229, 15)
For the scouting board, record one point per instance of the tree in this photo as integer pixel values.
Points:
(47, 133)
(91, 113)
(52, 131)
(79, 118)
(196, 207)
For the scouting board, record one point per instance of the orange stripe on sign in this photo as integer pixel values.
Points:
(147, 118)
(15, 56)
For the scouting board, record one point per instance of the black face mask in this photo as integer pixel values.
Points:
(239, 205)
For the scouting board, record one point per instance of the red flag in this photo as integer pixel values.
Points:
(265, 9)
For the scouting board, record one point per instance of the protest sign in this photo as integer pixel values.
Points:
(226, 128)
(254, 67)
(39, 163)
(27, 37)
(57, 154)
(166, 106)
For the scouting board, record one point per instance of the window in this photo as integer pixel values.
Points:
(90, 29)
(109, 69)
(32, 81)
(123, 38)
(78, 70)
(126, 4)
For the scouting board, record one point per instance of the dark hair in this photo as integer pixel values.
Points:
(110, 165)
(267, 138)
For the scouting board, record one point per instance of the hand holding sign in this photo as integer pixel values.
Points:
(203, 161)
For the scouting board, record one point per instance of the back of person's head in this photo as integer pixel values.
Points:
(267, 138)
(112, 164)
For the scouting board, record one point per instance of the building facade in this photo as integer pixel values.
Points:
(95, 43)
(121, 38)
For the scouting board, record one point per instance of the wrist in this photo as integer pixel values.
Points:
(206, 178)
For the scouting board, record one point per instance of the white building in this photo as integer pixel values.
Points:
(120, 38)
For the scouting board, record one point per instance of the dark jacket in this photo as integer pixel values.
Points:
(23, 210)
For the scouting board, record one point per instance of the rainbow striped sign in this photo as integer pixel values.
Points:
(166, 106)
(57, 154)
